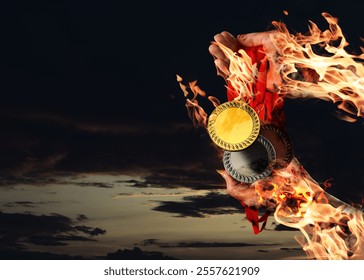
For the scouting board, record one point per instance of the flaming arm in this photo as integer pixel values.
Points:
(264, 68)
(261, 70)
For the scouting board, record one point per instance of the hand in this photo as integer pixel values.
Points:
(244, 193)
(251, 40)
(221, 61)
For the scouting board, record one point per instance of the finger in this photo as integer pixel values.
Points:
(220, 38)
(222, 67)
(216, 52)
(254, 39)
(232, 40)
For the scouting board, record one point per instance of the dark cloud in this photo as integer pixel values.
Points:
(28, 204)
(149, 242)
(94, 184)
(296, 249)
(34, 149)
(195, 178)
(57, 240)
(280, 227)
(39, 179)
(13, 254)
(20, 203)
(136, 254)
(201, 206)
(19, 229)
(199, 244)
(90, 230)
(81, 217)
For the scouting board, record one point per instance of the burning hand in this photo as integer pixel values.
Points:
(222, 62)
(263, 68)
(268, 53)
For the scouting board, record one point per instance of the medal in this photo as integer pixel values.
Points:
(252, 163)
(281, 143)
(233, 126)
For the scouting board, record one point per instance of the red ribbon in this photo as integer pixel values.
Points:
(269, 107)
(252, 216)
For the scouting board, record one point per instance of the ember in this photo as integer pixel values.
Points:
(261, 70)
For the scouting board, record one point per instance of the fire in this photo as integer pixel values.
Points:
(332, 229)
(313, 65)
(339, 75)
(196, 113)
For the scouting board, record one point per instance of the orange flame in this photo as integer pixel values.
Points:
(243, 74)
(196, 113)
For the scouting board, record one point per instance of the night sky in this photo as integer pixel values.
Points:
(97, 150)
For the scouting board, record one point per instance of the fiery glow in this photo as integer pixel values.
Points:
(314, 65)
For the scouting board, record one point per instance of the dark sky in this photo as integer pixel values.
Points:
(90, 86)
(104, 58)
(115, 63)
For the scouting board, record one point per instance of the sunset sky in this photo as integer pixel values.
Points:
(98, 155)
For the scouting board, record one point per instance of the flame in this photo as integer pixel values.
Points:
(196, 113)
(338, 76)
(315, 65)
(243, 74)
(332, 229)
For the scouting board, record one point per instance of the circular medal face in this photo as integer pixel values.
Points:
(233, 126)
(252, 163)
(281, 143)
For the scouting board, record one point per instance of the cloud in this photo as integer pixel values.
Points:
(171, 177)
(38, 142)
(281, 227)
(296, 249)
(19, 229)
(201, 206)
(14, 254)
(182, 192)
(200, 244)
(136, 254)
(81, 217)
(27, 204)
(93, 184)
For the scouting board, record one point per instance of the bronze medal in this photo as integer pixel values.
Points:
(281, 142)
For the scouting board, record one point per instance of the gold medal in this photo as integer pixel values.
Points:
(233, 126)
